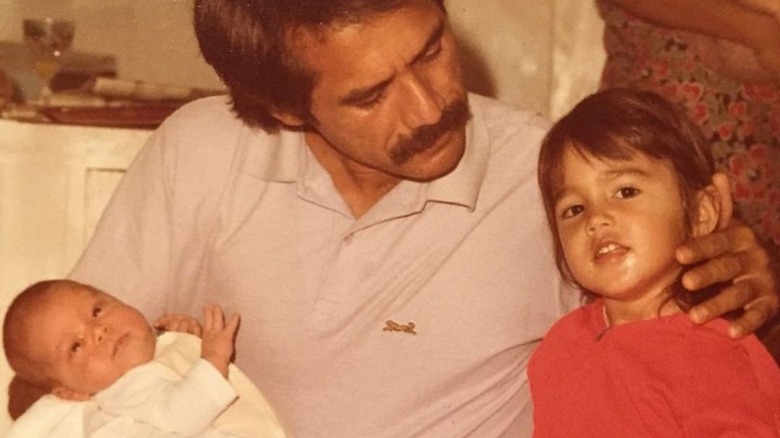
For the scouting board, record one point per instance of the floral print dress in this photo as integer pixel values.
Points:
(741, 121)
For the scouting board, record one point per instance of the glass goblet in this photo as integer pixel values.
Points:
(47, 40)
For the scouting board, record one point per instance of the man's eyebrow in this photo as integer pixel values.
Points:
(361, 94)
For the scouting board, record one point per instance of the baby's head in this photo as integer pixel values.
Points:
(73, 340)
(621, 165)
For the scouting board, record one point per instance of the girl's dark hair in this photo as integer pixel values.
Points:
(252, 46)
(617, 124)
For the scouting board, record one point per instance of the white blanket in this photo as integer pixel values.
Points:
(249, 417)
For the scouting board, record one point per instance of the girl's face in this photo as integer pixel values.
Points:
(619, 223)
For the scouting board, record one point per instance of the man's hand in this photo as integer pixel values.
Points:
(177, 322)
(219, 337)
(732, 254)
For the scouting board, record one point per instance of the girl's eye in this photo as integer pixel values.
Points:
(96, 311)
(627, 192)
(572, 211)
(75, 347)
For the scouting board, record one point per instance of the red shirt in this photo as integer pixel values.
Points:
(664, 377)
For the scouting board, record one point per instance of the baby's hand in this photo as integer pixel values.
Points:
(218, 338)
(176, 322)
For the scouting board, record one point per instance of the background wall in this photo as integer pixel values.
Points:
(537, 54)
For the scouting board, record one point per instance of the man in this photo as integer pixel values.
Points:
(379, 229)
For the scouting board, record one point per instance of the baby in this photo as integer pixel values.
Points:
(79, 343)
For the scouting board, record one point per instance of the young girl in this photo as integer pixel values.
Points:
(625, 179)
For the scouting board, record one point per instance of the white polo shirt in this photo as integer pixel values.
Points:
(417, 319)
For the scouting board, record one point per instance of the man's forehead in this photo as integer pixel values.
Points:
(311, 37)
(367, 53)
(340, 13)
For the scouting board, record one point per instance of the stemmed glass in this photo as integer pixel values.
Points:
(47, 39)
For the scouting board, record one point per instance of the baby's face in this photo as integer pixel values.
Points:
(88, 339)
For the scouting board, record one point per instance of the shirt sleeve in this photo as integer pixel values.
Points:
(129, 254)
(149, 248)
(713, 384)
(186, 406)
(728, 397)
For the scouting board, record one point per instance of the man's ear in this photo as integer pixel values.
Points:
(69, 394)
(287, 118)
(707, 212)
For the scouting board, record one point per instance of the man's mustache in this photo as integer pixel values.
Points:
(452, 118)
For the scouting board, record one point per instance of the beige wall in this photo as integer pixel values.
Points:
(537, 54)
(542, 55)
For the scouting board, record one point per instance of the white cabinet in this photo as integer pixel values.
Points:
(54, 183)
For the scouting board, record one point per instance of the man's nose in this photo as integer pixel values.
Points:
(424, 105)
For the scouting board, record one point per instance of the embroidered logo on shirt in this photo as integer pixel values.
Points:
(392, 326)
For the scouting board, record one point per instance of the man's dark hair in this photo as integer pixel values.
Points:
(251, 44)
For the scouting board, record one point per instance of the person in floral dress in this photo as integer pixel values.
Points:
(702, 55)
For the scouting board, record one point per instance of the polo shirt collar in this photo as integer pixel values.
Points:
(462, 185)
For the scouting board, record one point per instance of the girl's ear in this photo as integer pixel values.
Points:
(722, 192)
(69, 394)
(708, 211)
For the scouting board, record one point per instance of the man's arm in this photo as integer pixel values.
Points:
(771, 7)
(724, 19)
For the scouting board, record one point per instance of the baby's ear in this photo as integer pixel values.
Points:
(707, 212)
(69, 394)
